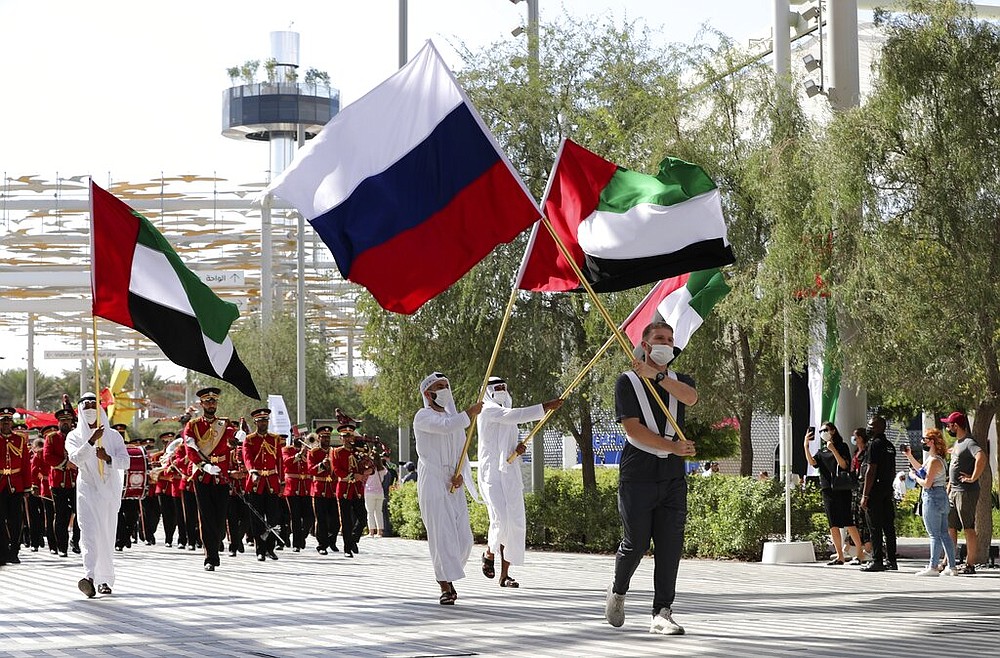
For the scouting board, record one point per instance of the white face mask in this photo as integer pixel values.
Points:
(661, 354)
(90, 416)
(443, 397)
(502, 398)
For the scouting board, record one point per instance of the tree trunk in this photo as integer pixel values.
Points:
(985, 412)
(745, 417)
(585, 440)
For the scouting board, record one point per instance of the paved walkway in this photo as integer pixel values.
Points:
(384, 603)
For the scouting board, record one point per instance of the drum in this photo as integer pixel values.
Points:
(136, 475)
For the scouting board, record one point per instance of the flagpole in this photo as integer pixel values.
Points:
(97, 392)
(486, 381)
(583, 373)
(607, 318)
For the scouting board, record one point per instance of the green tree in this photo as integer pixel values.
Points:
(918, 264)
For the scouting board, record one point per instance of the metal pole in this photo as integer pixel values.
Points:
(83, 361)
(402, 33)
(780, 42)
(136, 375)
(266, 278)
(300, 310)
(29, 392)
(786, 434)
(537, 447)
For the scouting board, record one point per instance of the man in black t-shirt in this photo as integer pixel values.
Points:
(876, 497)
(652, 490)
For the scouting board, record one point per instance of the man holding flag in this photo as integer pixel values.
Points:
(652, 489)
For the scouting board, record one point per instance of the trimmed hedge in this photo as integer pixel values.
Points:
(728, 517)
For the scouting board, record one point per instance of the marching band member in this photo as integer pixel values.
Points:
(439, 430)
(62, 480)
(128, 513)
(209, 440)
(164, 485)
(40, 510)
(238, 514)
(263, 459)
(324, 492)
(298, 485)
(351, 472)
(99, 453)
(15, 474)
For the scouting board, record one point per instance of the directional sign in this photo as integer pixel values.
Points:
(104, 354)
(221, 278)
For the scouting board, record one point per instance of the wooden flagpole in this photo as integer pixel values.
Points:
(97, 392)
(486, 381)
(607, 318)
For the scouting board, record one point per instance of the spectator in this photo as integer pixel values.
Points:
(832, 462)
(876, 497)
(899, 484)
(859, 465)
(710, 469)
(931, 477)
(764, 475)
(967, 463)
(411, 473)
(374, 497)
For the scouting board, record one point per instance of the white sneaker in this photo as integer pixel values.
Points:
(929, 571)
(664, 624)
(614, 608)
(949, 572)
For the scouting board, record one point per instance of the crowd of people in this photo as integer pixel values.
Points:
(859, 491)
(84, 486)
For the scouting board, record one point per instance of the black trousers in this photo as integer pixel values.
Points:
(150, 517)
(167, 512)
(882, 521)
(327, 521)
(190, 506)
(64, 500)
(301, 518)
(238, 517)
(11, 520)
(654, 511)
(268, 506)
(128, 521)
(213, 500)
(39, 523)
(353, 517)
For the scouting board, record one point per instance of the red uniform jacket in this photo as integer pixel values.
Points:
(181, 470)
(262, 453)
(40, 475)
(350, 482)
(295, 465)
(323, 485)
(15, 463)
(62, 473)
(213, 440)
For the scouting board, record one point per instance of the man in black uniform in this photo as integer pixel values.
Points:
(652, 489)
(876, 497)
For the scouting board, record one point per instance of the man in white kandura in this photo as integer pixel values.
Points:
(439, 430)
(499, 482)
(100, 455)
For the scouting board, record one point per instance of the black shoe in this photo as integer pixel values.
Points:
(335, 549)
(347, 553)
(53, 551)
(279, 547)
(873, 566)
(64, 554)
(103, 589)
(76, 548)
(296, 549)
(34, 549)
(271, 555)
(260, 558)
(892, 566)
(168, 544)
(232, 553)
(14, 559)
(321, 551)
(118, 548)
(239, 548)
(181, 547)
(191, 548)
(209, 567)
(86, 586)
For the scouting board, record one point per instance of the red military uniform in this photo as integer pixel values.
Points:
(213, 442)
(40, 472)
(62, 473)
(295, 465)
(263, 453)
(350, 482)
(323, 485)
(15, 463)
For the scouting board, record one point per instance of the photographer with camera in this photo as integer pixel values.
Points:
(876, 497)
(931, 476)
(832, 461)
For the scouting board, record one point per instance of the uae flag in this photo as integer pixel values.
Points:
(682, 301)
(624, 229)
(139, 281)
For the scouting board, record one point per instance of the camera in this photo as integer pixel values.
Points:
(904, 446)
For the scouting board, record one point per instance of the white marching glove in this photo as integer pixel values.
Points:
(190, 442)
(211, 469)
(241, 436)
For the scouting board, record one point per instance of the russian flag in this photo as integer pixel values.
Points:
(407, 187)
